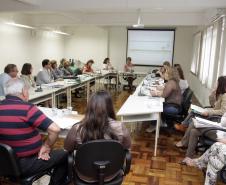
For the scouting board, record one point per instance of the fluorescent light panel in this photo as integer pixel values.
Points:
(19, 25)
(60, 32)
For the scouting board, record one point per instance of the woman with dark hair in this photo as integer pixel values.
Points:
(192, 134)
(217, 100)
(88, 67)
(182, 83)
(99, 123)
(26, 75)
(107, 64)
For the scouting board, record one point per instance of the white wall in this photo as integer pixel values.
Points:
(19, 45)
(88, 42)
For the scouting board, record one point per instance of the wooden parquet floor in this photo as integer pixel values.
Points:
(147, 169)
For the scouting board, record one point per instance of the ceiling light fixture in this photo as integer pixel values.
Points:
(19, 25)
(138, 25)
(60, 32)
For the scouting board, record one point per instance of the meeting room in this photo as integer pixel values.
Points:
(111, 92)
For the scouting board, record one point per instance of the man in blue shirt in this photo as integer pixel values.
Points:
(10, 71)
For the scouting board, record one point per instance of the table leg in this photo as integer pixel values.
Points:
(117, 80)
(88, 90)
(157, 133)
(53, 99)
(69, 97)
(95, 85)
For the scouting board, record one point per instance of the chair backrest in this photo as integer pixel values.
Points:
(186, 101)
(8, 162)
(109, 153)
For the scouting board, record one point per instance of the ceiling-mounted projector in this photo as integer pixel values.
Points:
(139, 24)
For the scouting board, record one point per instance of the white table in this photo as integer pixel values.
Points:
(143, 108)
(63, 118)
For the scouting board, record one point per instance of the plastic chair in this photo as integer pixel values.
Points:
(10, 167)
(103, 161)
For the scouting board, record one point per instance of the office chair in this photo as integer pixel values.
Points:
(130, 77)
(222, 174)
(185, 104)
(10, 167)
(103, 161)
(205, 141)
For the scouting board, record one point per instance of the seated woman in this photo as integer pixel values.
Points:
(213, 159)
(161, 72)
(171, 92)
(182, 83)
(217, 101)
(99, 123)
(107, 64)
(57, 73)
(66, 69)
(26, 75)
(87, 69)
(108, 67)
(129, 69)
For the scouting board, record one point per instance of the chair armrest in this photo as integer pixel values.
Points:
(223, 174)
(128, 162)
(216, 118)
(204, 134)
(208, 107)
(70, 165)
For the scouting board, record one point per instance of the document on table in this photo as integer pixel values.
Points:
(65, 123)
(60, 117)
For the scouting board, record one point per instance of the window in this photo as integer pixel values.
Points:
(196, 53)
(213, 59)
(209, 57)
(206, 53)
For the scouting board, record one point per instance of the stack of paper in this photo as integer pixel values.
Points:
(197, 109)
(202, 123)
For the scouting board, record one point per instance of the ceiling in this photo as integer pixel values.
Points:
(67, 13)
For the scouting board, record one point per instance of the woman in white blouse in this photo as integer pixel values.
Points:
(26, 75)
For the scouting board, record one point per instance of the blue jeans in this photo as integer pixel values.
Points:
(170, 109)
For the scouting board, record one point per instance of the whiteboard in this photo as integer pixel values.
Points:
(150, 47)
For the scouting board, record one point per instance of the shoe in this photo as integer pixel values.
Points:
(77, 95)
(189, 162)
(164, 124)
(184, 161)
(180, 127)
(150, 129)
(179, 144)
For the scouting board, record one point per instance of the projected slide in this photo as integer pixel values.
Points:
(150, 47)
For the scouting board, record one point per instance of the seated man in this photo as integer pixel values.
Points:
(10, 71)
(45, 76)
(19, 121)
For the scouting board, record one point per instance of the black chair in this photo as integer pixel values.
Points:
(129, 77)
(103, 161)
(222, 174)
(10, 167)
(204, 140)
(185, 104)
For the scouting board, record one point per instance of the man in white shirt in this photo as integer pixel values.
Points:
(45, 76)
(10, 71)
